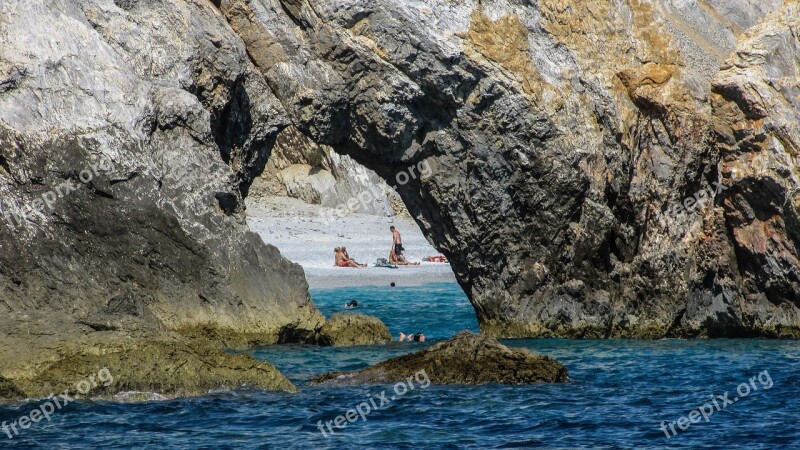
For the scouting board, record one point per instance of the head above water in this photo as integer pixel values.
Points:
(391, 228)
(419, 337)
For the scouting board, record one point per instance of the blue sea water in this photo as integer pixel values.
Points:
(620, 392)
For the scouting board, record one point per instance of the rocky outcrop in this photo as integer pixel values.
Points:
(467, 358)
(163, 368)
(127, 148)
(348, 329)
(299, 168)
(129, 134)
(46, 354)
(575, 148)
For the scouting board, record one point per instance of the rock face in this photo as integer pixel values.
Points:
(130, 132)
(465, 359)
(576, 150)
(299, 168)
(348, 329)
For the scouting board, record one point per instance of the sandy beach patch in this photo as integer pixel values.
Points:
(307, 234)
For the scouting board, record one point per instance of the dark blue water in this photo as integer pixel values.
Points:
(620, 393)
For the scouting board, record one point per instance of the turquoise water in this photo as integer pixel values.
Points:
(437, 309)
(620, 393)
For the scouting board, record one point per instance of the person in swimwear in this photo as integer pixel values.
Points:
(343, 261)
(396, 256)
(397, 241)
(400, 260)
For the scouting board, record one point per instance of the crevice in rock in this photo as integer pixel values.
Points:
(675, 326)
(232, 125)
(229, 203)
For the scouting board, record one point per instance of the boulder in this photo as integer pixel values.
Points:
(467, 358)
(162, 369)
(348, 329)
(160, 364)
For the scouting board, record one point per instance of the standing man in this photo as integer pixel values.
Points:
(397, 241)
(396, 255)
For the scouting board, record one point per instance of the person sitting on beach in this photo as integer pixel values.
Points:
(344, 261)
(346, 256)
(399, 260)
(351, 304)
(396, 256)
(416, 337)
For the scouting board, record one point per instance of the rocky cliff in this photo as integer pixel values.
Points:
(130, 133)
(582, 152)
(597, 168)
(302, 169)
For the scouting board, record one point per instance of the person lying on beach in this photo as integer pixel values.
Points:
(399, 260)
(343, 261)
(416, 337)
(351, 304)
(436, 259)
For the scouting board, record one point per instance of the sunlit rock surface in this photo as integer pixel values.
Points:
(562, 137)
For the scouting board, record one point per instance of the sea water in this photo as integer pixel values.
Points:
(620, 393)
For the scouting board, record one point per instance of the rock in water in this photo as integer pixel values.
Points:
(467, 358)
(347, 329)
(165, 368)
(126, 150)
(138, 360)
(590, 168)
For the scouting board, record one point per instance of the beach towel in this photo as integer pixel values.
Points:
(382, 262)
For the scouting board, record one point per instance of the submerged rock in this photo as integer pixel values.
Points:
(348, 329)
(467, 358)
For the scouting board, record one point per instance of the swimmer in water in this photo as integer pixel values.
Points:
(351, 304)
(417, 337)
